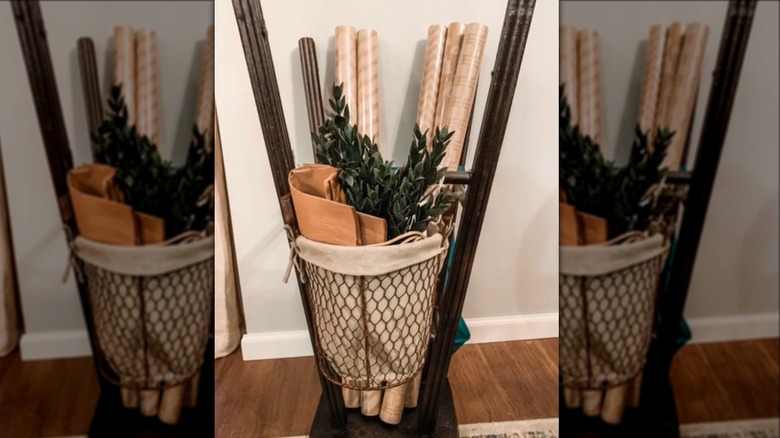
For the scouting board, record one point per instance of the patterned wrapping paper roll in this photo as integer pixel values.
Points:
(124, 66)
(204, 110)
(368, 84)
(671, 58)
(683, 97)
(346, 66)
(464, 85)
(652, 80)
(429, 87)
(370, 403)
(568, 66)
(146, 84)
(452, 47)
(589, 83)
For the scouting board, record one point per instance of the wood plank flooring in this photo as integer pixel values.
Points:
(490, 382)
(727, 381)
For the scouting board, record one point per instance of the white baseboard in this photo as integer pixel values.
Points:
(734, 328)
(277, 345)
(54, 345)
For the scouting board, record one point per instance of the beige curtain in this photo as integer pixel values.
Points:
(227, 305)
(9, 318)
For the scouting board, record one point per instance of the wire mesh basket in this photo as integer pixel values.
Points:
(372, 308)
(151, 309)
(607, 303)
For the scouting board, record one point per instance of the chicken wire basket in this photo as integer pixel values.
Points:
(372, 308)
(607, 299)
(151, 309)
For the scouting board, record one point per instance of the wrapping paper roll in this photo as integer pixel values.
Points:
(449, 64)
(146, 84)
(351, 398)
(652, 80)
(393, 404)
(572, 398)
(672, 47)
(191, 396)
(370, 403)
(464, 85)
(683, 97)
(129, 397)
(346, 66)
(589, 83)
(368, 84)
(413, 391)
(171, 403)
(429, 87)
(634, 391)
(204, 110)
(149, 401)
(568, 67)
(591, 402)
(124, 66)
(614, 404)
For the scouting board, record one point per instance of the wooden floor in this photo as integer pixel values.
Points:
(727, 381)
(490, 382)
(46, 398)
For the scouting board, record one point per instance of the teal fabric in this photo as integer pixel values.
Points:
(463, 334)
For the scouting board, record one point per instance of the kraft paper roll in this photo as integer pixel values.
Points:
(651, 82)
(351, 398)
(449, 64)
(368, 84)
(591, 402)
(589, 83)
(683, 98)
(149, 402)
(614, 404)
(568, 66)
(429, 87)
(370, 403)
(572, 398)
(146, 84)
(171, 404)
(672, 46)
(204, 110)
(124, 66)
(413, 391)
(129, 397)
(393, 404)
(191, 396)
(346, 66)
(634, 391)
(464, 85)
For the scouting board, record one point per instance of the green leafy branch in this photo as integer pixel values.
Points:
(181, 196)
(403, 196)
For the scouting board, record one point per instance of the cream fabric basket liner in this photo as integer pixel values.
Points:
(607, 301)
(151, 308)
(372, 308)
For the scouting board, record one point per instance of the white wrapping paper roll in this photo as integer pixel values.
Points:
(368, 84)
(124, 66)
(449, 64)
(458, 110)
(651, 82)
(589, 84)
(429, 87)
(204, 110)
(146, 84)
(568, 66)
(346, 66)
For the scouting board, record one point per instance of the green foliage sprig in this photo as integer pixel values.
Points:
(400, 196)
(618, 194)
(182, 196)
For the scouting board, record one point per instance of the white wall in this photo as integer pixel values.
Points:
(52, 314)
(735, 280)
(515, 273)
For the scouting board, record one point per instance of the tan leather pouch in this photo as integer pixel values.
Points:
(101, 214)
(568, 225)
(322, 213)
(593, 229)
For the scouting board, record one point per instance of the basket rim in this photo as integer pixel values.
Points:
(593, 260)
(143, 260)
